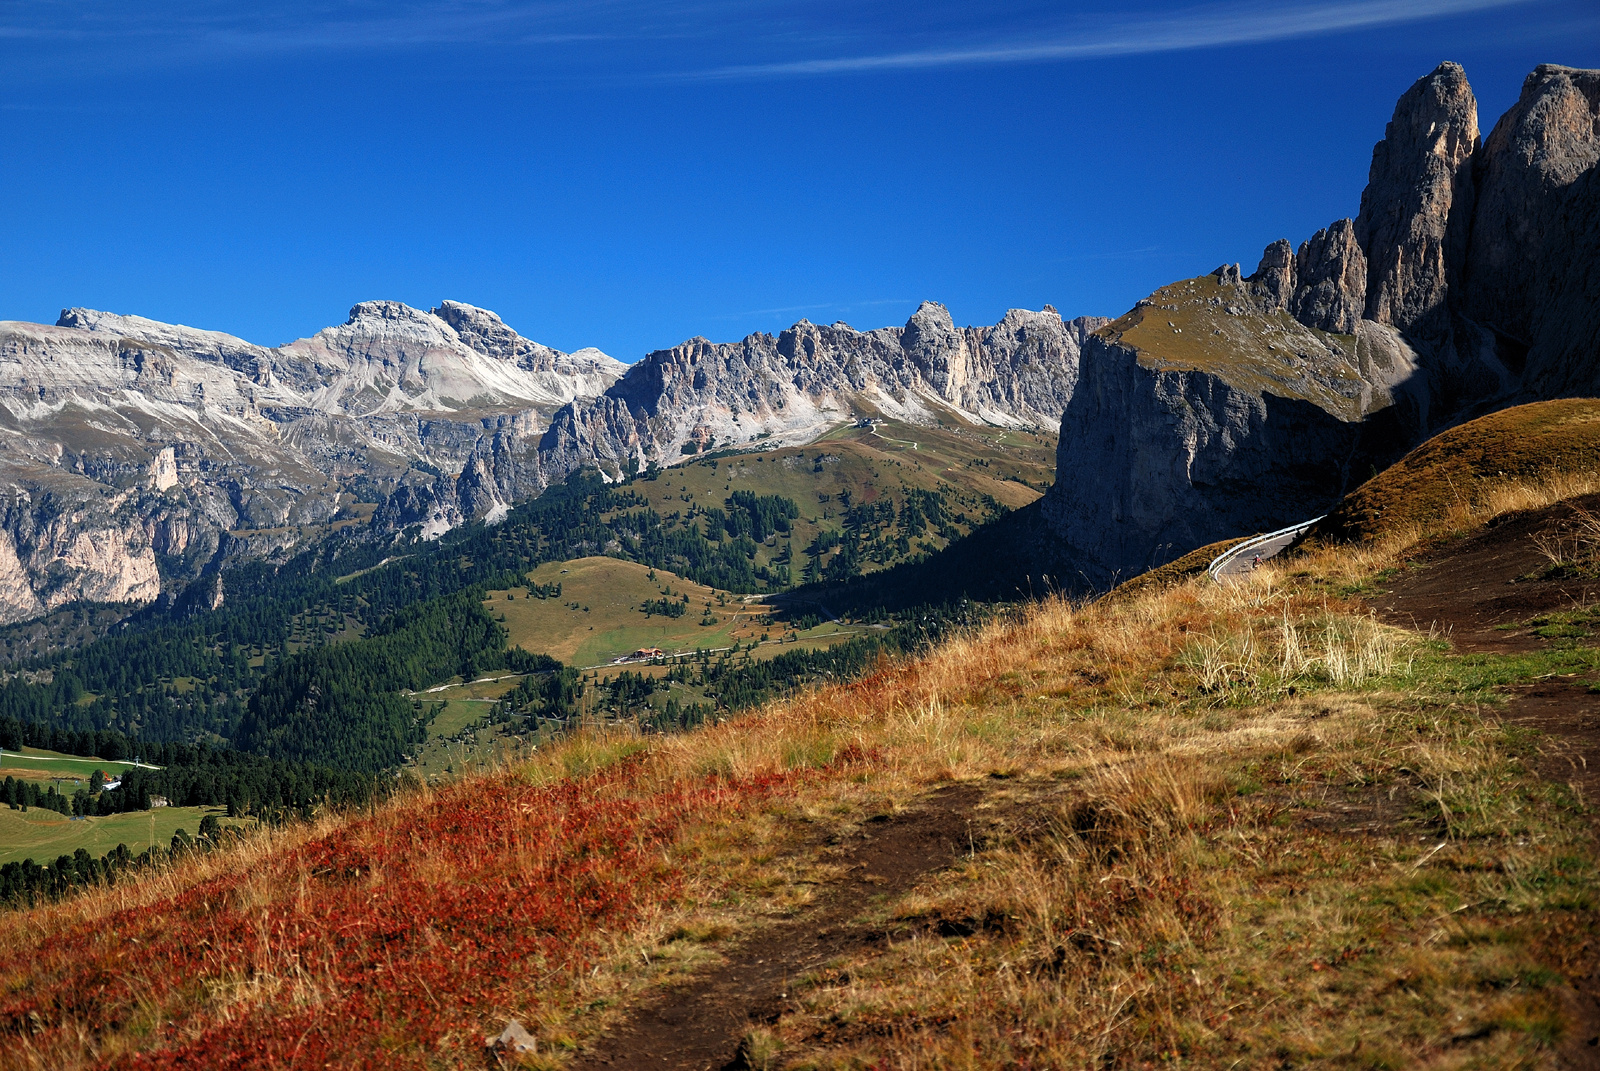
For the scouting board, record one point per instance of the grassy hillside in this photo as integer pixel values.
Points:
(1188, 325)
(600, 615)
(37, 764)
(1192, 564)
(1198, 826)
(856, 481)
(1462, 472)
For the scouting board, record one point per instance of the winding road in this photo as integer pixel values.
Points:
(1238, 561)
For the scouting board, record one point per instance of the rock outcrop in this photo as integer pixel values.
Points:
(1331, 280)
(790, 388)
(1419, 178)
(1530, 264)
(1274, 280)
(1209, 410)
(1468, 280)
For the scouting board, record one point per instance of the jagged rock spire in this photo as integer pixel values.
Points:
(1417, 180)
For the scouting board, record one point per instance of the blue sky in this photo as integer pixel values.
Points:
(627, 175)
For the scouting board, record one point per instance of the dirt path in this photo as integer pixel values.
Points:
(699, 1025)
(1477, 591)
(1472, 587)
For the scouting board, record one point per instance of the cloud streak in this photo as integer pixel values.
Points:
(1199, 28)
(609, 35)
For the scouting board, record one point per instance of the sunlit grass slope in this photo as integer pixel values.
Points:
(976, 471)
(38, 764)
(600, 612)
(44, 835)
(1489, 464)
(1209, 326)
(1218, 827)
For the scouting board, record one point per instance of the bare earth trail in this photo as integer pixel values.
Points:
(1478, 593)
(1473, 586)
(699, 1025)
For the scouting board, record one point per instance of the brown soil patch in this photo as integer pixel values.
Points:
(1337, 808)
(1567, 714)
(699, 1025)
(1469, 587)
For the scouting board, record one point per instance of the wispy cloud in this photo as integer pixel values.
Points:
(212, 28)
(650, 39)
(1206, 27)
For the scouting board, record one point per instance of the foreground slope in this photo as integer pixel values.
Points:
(1222, 826)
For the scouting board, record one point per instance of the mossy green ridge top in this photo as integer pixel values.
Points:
(1207, 325)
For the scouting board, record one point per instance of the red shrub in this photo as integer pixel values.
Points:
(379, 945)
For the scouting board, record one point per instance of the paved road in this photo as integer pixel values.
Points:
(1239, 561)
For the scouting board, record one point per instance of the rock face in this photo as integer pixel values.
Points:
(1274, 280)
(789, 389)
(133, 451)
(1209, 409)
(1331, 271)
(1530, 263)
(1469, 280)
(1419, 175)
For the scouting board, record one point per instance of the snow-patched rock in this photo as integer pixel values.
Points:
(158, 440)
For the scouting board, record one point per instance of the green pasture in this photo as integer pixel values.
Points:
(36, 764)
(43, 835)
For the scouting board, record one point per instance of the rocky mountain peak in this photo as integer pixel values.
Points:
(928, 329)
(1331, 280)
(1418, 175)
(366, 311)
(931, 316)
(1467, 281)
(388, 322)
(485, 332)
(1274, 279)
(1531, 179)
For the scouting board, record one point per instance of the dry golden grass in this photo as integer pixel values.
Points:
(1191, 564)
(1519, 458)
(1226, 826)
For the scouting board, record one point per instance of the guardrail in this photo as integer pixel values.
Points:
(1255, 541)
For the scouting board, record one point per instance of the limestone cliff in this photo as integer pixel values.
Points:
(790, 388)
(1418, 180)
(1531, 259)
(1208, 408)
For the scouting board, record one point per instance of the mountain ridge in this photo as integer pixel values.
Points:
(140, 455)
